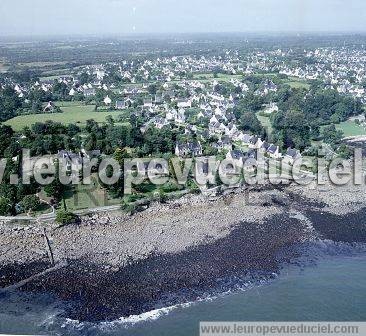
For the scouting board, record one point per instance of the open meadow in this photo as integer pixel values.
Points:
(350, 128)
(72, 112)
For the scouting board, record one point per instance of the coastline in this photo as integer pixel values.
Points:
(173, 253)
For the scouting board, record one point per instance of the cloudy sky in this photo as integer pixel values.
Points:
(50, 17)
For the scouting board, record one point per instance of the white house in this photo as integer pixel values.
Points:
(107, 101)
(184, 103)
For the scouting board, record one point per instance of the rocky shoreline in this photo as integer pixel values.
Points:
(175, 252)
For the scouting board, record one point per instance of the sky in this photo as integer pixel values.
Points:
(120, 17)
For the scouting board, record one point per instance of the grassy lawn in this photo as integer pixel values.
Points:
(52, 77)
(350, 128)
(239, 145)
(208, 77)
(81, 197)
(265, 75)
(298, 84)
(73, 113)
(266, 123)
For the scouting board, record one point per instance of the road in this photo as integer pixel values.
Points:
(52, 215)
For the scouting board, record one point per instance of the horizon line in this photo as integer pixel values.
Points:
(172, 34)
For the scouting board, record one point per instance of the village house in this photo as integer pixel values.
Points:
(188, 149)
(237, 156)
(70, 161)
(50, 107)
(89, 92)
(291, 156)
(184, 103)
(274, 152)
(120, 105)
(223, 144)
(148, 102)
(245, 138)
(271, 108)
(72, 92)
(255, 142)
(107, 101)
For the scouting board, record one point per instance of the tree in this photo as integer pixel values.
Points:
(331, 135)
(152, 89)
(5, 206)
(30, 202)
(250, 102)
(344, 151)
(9, 103)
(291, 129)
(6, 133)
(109, 119)
(60, 90)
(161, 196)
(55, 189)
(249, 122)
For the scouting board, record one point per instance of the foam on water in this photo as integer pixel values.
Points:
(56, 323)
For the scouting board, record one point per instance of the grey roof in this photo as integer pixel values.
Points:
(120, 103)
(246, 138)
(190, 146)
(237, 154)
(252, 153)
(292, 153)
(253, 140)
(265, 145)
(272, 149)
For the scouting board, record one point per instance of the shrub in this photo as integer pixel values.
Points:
(129, 208)
(161, 196)
(170, 187)
(133, 197)
(30, 202)
(193, 187)
(5, 206)
(66, 217)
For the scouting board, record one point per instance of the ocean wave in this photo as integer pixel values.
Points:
(75, 327)
(227, 287)
(144, 317)
(309, 254)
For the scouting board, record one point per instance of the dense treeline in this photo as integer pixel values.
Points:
(321, 106)
(107, 137)
(9, 103)
(301, 113)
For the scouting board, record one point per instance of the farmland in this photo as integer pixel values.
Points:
(72, 112)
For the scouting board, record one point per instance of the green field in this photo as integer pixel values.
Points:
(91, 196)
(51, 77)
(350, 128)
(208, 77)
(73, 113)
(266, 123)
(297, 84)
